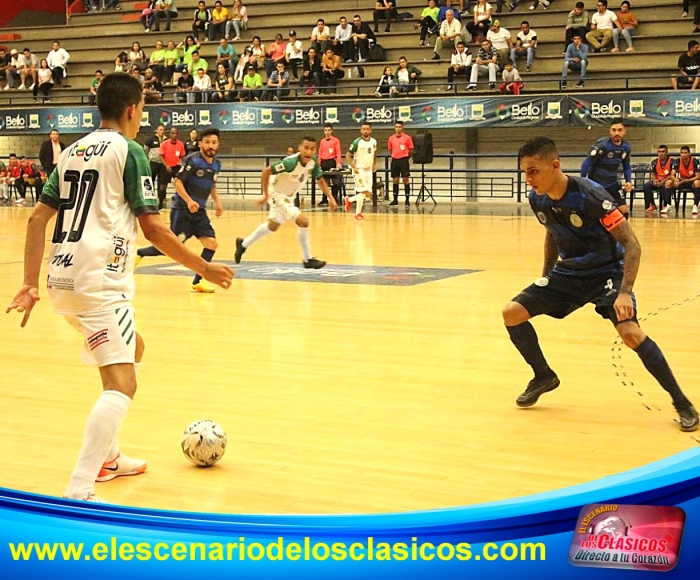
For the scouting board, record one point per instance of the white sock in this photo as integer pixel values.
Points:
(3, 190)
(258, 234)
(360, 201)
(114, 450)
(101, 430)
(303, 235)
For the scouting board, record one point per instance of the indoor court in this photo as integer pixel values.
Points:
(383, 396)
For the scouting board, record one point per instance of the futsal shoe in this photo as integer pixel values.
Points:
(314, 263)
(240, 250)
(348, 204)
(201, 288)
(535, 389)
(689, 416)
(122, 465)
(359, 218)
(90, 497)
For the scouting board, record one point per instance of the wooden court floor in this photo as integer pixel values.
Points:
(359, 398)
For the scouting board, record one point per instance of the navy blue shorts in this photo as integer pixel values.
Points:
(558, 295)
(185, 224)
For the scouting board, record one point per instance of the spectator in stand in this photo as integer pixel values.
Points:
(342, 42)
(407, 77)
(165, 10)
(525, 45)
(226, 55)
(157, 61)
(626, 25)
(486, 61)
(121, 63)
(294, 54)
(152, 87)
(238, 20)
(332, 71)
(136, 73)
(662, 180)
(577, 21)
(512, 4)
(187, 47)
(277, 84)
(460, 64)
(688, 67)
(385, 9)
(275, 54)
(502, 41)
(219, 21)
(362, 36)
(242, 65)
(49, 152)
(172, 60)
(172, 152)
(183, 90)
(4, 63)
(147, 15)
(696, 19)
(258, 53)
(44, 82)
(387, 84)
(57, 59)
(12, 70)
(320, 36)
(192, 146)
(686, 8)
(481, 22)
(687, 176)
(252, 85)
(94, 85)
(428, 21)
(450, 32)
(311, 73)
(201, 21)
(196, 64)
(223, 86)
(137, 58)
(603, 22)
(512, 83)
(29, 65)
(107, 4)
(575, 59)
(447, 7)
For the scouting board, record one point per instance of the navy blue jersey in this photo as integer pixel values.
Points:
(576, 221)
(198, 177)
(605, 160)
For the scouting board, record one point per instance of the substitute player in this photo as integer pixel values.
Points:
(401, 149)
(362, 158)
(99, 191)
(194, 184)
(607, 156)
(281, 183)
(591, 255)
(687, 177)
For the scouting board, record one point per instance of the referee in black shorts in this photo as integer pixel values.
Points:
(401, 149)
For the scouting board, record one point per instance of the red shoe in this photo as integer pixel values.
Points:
(359, 217)
(348, 204)
(652, 207)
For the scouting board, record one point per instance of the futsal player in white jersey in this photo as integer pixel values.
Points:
(280, 184)
(362, 157)
(100, 189)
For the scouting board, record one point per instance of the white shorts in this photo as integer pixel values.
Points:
(282, 209)
(110, 335)
(363, 180)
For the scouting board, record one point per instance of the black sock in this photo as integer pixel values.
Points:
(207, 256)
(151, 251)
(655, 362)
(696, 196)
(396, 190)
(627, 215)
(407, 189)
(524, 337)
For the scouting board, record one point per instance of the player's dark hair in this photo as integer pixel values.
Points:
(328, 126)
(684, 148)
(366, 123)
(618, 121)
(208, 132)
(117, 92)
(308, 138)
(542, 147)
(398, 123)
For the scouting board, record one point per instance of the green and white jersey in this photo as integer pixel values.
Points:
(289, 176)
(101, 183)
(364, 151)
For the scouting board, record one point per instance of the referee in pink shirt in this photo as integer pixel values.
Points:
(401, 148)
(329, 154)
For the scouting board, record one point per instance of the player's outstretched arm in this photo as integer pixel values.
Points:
(163, 239)
(28, 295)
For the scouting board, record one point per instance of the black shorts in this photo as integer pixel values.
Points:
(185, 224)
(616, 192)
(558, 295)
(400, 167)
(165, 176)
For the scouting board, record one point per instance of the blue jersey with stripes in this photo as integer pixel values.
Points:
(199, 177)
(605, 161)
(578, 223)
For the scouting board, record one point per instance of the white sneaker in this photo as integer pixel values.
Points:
(122, 465)
(544, 4)
(21, 87)
(90, 497)
(695, 210)
(532, 7)
(30, 87)
(684, 15)
(6, 87)
(665, 209)
(20, 201)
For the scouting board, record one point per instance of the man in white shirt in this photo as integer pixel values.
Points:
(525, 44)
(28, 64)
(202, 83)
(603, 23)
(460, 63)
(293, 53)
(450, 31)
(57, 59)
(320, 36)
(501, 41)
(343, 40)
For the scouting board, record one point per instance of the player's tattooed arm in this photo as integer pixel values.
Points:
(551, 253)
(624, 234)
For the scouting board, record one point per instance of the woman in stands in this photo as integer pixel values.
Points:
(239, 20)
(137, 57)
(386, 84)
(186, 48)
(481, 23)
(152, 87)
(45, 81)
(626, 25)
(259, 55)
(242, 65)
(224, 88)
(121, 63)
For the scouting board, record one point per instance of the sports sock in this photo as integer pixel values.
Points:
(524, 337)
(114, 450)
(360, 200)
(150, 251)
(655, 362)
(407, 189)
(207, 256)
(259, 233)
(396, 190)
(303, 236)
(696, 196)
(101, 430)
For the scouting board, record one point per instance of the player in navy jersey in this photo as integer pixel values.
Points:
(194, 184)
(590, 255)
(603, 164)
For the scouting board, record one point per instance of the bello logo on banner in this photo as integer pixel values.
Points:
(633, 537)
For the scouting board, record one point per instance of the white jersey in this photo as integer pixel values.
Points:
(289, 176)
(102, 182)
(364, 152)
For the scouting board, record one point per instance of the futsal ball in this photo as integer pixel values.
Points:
(204, 442)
